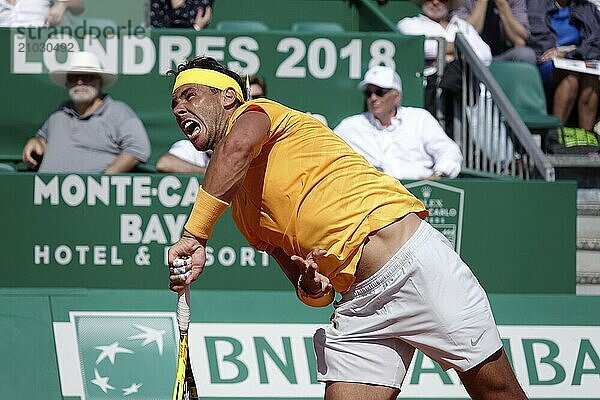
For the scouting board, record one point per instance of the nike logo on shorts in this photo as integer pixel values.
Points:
(475, 341)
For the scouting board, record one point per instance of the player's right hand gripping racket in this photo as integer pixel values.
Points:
(185, 386)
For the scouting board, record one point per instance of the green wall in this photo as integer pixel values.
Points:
(518, 237)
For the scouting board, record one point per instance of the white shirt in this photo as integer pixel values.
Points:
(423, 25)
(24, 13)
(185, 150)
(414, 146)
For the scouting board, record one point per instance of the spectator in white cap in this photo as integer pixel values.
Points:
(91, 133)
(404, 142)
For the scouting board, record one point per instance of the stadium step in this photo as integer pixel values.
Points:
(588, 226)
(588, 266)
(588, 242)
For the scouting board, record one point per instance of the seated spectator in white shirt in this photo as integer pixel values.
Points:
(503, 24)
(404, 142)
(434, 22)
(183, 158)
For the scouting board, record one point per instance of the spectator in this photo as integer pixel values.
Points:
(26, 13)
(558, 26)
(404, 142)
(91, 133)
(503, 25)
(258, 87)
(434, 22)
(183, 158)
(180, 13)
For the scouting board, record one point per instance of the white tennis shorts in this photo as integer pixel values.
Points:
(424, 297)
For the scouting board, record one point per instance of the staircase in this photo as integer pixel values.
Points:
(588, 242)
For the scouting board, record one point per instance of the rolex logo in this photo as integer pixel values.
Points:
(426, 191)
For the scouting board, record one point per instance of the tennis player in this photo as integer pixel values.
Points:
(334, 224)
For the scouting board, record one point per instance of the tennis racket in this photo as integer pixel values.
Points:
(185, 386)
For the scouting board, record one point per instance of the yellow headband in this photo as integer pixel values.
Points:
(208, 77)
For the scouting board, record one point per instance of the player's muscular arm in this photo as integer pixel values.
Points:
(290, 269)
(224, 175)
(234, 153)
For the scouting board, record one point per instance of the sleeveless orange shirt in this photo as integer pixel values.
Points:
(307, 188)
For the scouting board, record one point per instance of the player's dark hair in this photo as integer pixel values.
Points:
(212, 64)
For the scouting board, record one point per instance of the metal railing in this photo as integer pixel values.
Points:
(441, 66)
(491, 134)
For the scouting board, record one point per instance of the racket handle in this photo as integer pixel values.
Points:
(183, 310)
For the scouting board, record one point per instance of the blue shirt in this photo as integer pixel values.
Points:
(566, 32)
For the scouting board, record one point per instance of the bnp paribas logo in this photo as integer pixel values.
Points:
(117, 355)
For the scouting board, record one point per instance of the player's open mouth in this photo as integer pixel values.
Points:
(190, 127)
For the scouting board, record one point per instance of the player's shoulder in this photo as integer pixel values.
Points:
(265, 105)
(263, 102)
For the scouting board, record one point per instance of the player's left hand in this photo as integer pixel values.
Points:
(313, 283)
(56, 13)
(187, 246)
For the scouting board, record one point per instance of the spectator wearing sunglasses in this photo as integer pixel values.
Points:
(404, 142)
(91, 133)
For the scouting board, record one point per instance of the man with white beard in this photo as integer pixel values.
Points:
(91, 133)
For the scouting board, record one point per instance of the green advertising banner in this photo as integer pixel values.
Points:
(107, 231)
(108, 344)
(309, 71)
